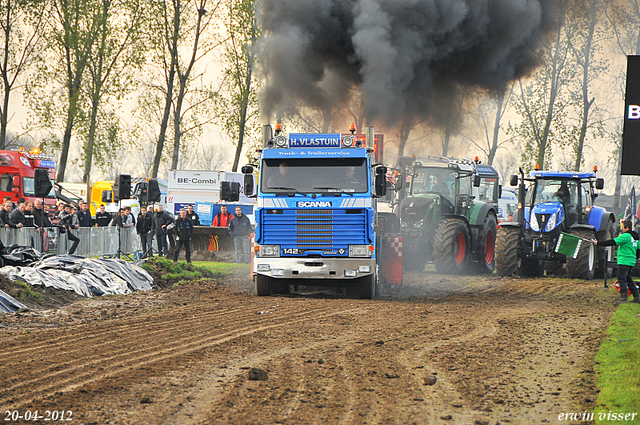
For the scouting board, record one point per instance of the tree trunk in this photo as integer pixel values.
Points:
(74, 94)
(586, 103)
(5, 79)
(243, 120)
(177, 120)
(496, 130)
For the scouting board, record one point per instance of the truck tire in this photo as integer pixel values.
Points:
(507, 251)
(451, 246)
(487, 246)
(584, 265)
(263, 285)
(602, 252)
(367, 287)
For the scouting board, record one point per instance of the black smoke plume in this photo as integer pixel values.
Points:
(401, 54)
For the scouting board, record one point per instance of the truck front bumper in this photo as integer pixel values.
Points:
(314, 268)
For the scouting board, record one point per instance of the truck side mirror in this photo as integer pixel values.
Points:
(248, 185)
(499, 191)
(476, 181)
(599, 183)
(513, 180)
(16, 182)
(380, 182)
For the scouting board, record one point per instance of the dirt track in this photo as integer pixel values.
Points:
(515, 351)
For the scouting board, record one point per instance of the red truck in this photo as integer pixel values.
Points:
(17, 175)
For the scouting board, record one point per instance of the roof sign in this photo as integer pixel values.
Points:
(314, 140)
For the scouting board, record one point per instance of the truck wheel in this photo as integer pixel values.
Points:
(367, 287)
(507, 251)
(451, 246)
(584, 265)
(263, 285)
(602, 252)
(487, 246)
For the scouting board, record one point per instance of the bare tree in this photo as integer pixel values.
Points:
(178, 36)
(116, 54)
(237, 103)
(22, 25)
(541, 104)
(585, 40)
(485, 106)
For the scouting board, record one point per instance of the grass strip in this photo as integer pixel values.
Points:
(618, 368)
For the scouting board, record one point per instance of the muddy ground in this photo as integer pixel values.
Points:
(444, 350)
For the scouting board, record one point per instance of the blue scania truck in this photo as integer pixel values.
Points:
(316, 219)
(552, 203)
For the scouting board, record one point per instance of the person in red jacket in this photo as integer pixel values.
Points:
(223, 218)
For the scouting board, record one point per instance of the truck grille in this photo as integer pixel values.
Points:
(313, 229)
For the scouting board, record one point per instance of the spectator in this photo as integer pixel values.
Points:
(145, 228)
(193, 216)
(29, 219)
(184, 228)
(69, 221)
(103, 218)
(17, 216)
(59, 211)
(8, 199)
(626, 258)
(240, 229)
(5, 213)
(223, 218)
(118, 219)
(128, 221)
(162, 220)
(40, 216)
(84, 215)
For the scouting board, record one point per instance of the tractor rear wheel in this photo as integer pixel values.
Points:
(451, 246)
(487, 246)
(507, 251)
(584, 265)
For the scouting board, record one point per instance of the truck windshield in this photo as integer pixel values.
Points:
(340, 175)
(487, 191)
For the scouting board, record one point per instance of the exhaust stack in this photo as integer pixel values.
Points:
(267, 134)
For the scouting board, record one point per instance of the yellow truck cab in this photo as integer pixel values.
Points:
(102, 193)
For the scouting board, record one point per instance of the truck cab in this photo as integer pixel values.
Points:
(17, 175)
(315, 215)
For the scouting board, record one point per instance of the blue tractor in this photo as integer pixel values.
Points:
(554, 202)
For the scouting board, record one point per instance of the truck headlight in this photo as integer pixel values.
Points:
(551, 223)
(533, 222)
(269, 250)
(359, 251)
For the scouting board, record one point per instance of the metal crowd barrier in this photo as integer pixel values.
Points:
(94, 241)
(107, 241)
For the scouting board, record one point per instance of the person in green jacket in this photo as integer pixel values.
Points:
(627, 248)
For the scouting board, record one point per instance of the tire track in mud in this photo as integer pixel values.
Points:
(128, 360)
(88, 335)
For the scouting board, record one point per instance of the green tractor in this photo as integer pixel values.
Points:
(448, 215)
